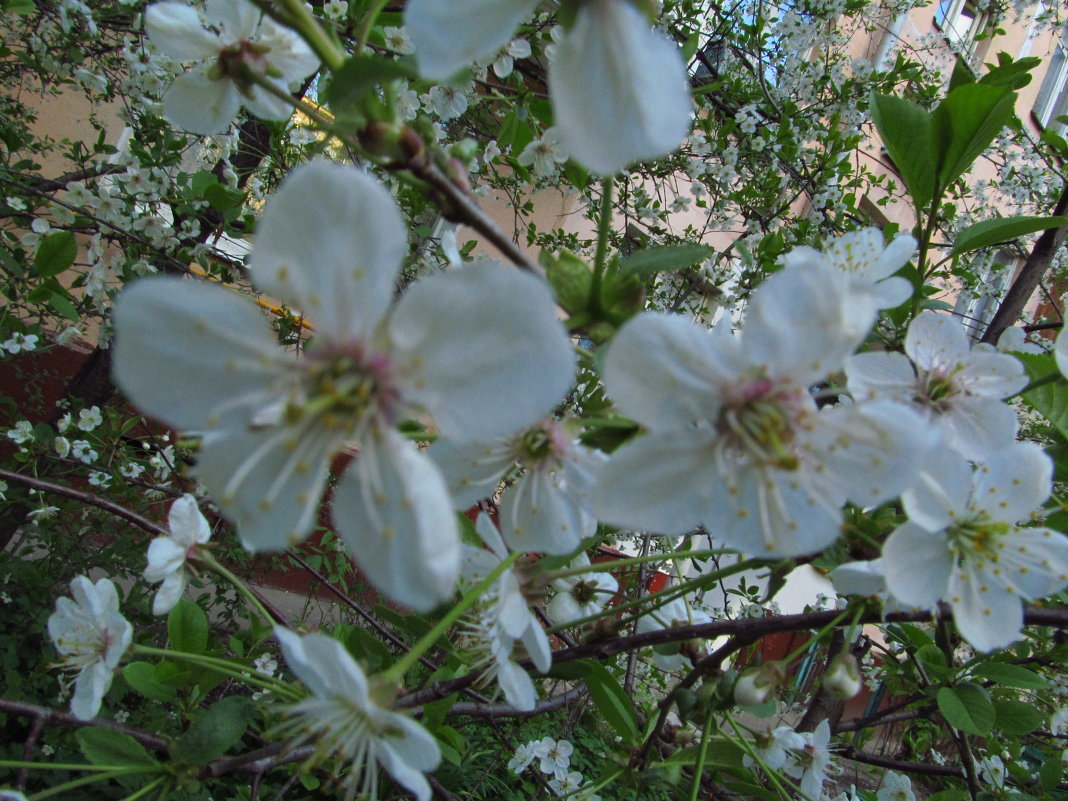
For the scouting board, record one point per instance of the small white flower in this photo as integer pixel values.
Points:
(335, 9)
(504, 61)
(61, 445)
(992, 771)
(99, 479)
(64, 423)
(89, 419)
(553, 755)
(568, 784)
(83, 451)
(91, 635)
(131, 470)
(21, 433)
(896, 787)
(169, 556)
(229, 43)
(398, 40)
(265, 664)
(41, 513)
(810, 763)
(20, 343)
(448, 102)
(581, 595)
(344, 721)
(774, 747)
(544, 154)
(524, 755)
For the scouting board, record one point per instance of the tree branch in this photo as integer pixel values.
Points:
(55, 717)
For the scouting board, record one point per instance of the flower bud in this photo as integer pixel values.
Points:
(755, 685)
(842, 679)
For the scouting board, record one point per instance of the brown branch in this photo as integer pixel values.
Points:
(87, 498)
(851, 753)
(875, 720)
(55, 717)
(550, 704)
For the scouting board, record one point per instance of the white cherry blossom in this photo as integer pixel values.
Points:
(231, 41)
(735, 440)
(810, 763)
(581, 595)
(549, 508)
(345, 721)
(168, 556)
(91, 635)
(955, 386)
(330, 244)
(963, 542)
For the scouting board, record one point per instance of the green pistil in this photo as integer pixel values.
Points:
(535, 445)
(762, 429)
(978, 537)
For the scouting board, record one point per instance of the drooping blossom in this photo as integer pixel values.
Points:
(735, 440)
(229, 43)
(955, 386)
(168, 557)
(964, 543)
(344, 721)
(549, 508)
(581, 595)
(91, 635)
(330, 244)
(810, 763)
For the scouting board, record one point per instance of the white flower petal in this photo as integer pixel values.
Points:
(941, 492)
(936, 340)
(985, 615)
(334, 261)
(176, 29)
(394, 513)
(200, 105)
(879, 374)
(1013, 483)
(538, 515)
(399, 752)
(187, 525)
(459, 337)
(89, 689)
(237, 18)
(323, 664)
(169, 592)
(473, 469)
(266, 105)
(537, 644)
(619, 88)
(977, 426)
(172, 334)
(917, 564)
(517, 685)
(448, 35)
(1032, 561)
(165, 556)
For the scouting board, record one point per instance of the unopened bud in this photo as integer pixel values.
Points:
(756, 685)
(842, 679)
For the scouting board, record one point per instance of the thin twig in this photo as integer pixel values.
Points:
(549, 704)
(851, 753)
(58, 718)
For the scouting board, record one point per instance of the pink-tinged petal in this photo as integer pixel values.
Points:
(666, 372)
(619, 88)
(879, 374)
(176, 29)
(872, 451)
(976, 426)
(393, 511)
(473, 469)
(659, 483)
(330, 243)
(1031, 561)
(449, 36)
(817, 301)
(165, 556)
(996, 375)
(238, 19)
(480, 347)
(936, 341)
(187, 525)
(518, 688)
(939, 498)
(538, 515)
(917, 565)
(186, 350)
(1013, 483)
(268, 482)
(200, 105)
(169, 592)
(986, 615)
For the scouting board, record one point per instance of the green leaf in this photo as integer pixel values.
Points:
(570, 279)
(962, 74)
(55, 253)
(1017, 717)
(228, 202)
(216, 731)
(141, 676)
(103, 746)
(187, 628)
(949, 795)
(665, 259)
(1011, 676)
(611, 699)
(1049, 775)
(1001, 229)
(360, 75)
(966, 122)
(20, 7)
(1049, 400)
(967, 707)
(61, 304)
(1014, 74)
(907, 132)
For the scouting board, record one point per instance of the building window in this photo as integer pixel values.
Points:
(1052, 101)
(961, 22)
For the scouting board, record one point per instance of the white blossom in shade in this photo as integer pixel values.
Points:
(991, 771)
(735, 441)
(581, 595)
(548, 508)
(20, 343)
(963, 544)
(774, 747)
(449, 36)
(21, 433)
(544, 154)
(344, 720)
(896, 787)
(448, 102)
(619, 88)
(810, 763)
(671, 615)
(228, 44)
(957, 387)
(504, 62)
(566, 783)
(553, 755)
(398, 40)
(869, 263)
(330, 244)
(1014, 340)
(91, 635)
(524, 755)
(501, 617)
(168, 557)
(89, 419)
